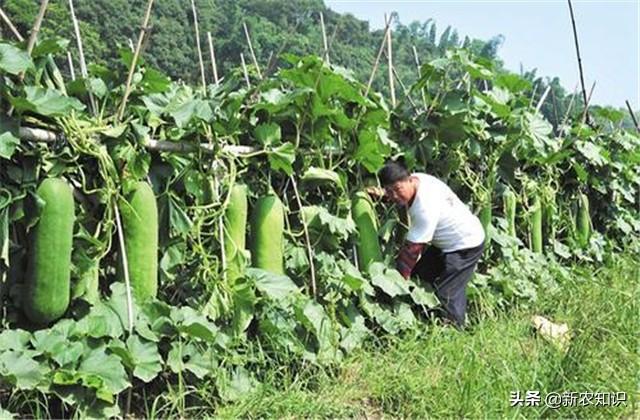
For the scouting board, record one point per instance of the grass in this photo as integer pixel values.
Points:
(441, 372)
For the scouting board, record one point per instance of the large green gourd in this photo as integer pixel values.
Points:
(535, 224)
(235, 227)
(140, 225)
(584, 220)
(47, 287)
(364, 216)
(509, 209)
(267, 229)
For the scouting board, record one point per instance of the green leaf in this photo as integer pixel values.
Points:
(154, 81)
(8, 144)
(424, 298)
(14, 340)
(47, 102)
(268, 134)
(21, 370)
(106, 367)
(389, 280)
(14, 60)
(282, 158)
(145, 356)
(193, 324)
(273, 285)
(236, 385)
(315, 175)
(187, 357)
(98, 87)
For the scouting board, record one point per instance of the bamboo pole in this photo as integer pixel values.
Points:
(72, 70)
(306, 237)
(543, 97)
(200, 61)
(253, 55)
(633, 116)
(9, 24)
(39, 135)
(417, 61)
(33, 36)
(244, 70)
(575, 37)
(212, 53)
(586, 106)
(324, 39)
(407, 94)
(377, 62)
(83, 64)
(390, 64)
(132, 68)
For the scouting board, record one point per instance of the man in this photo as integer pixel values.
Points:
(437, 218)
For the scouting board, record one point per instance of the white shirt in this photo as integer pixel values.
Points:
(437, 216)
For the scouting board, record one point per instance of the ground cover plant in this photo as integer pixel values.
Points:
(185, 251)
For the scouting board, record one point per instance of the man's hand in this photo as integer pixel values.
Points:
(375, 192)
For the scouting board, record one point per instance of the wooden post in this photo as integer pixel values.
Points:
(253, 55)
(71, 68)
(136, 53)
(244, 70)
(212, 53)
(324, 39)
(195, 25)
(390, 65)
(83, 64)
(377, 62)
(12, 28)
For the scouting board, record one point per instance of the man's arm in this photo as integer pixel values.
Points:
(408, 257)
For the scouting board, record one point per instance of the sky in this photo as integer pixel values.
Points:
(538, 34)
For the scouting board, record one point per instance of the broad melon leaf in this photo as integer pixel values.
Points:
(47, 102)
(14, 60)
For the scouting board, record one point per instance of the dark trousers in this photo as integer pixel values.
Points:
(449, 274)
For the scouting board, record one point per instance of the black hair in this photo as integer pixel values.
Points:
(392, 172)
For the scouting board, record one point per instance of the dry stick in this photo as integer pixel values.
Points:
(417, 60)
(213, 59)
(306, 236)
(244, 70)
(195, 25)
(130, 42)
(633, 116)
(575, 37)
(555, 106)
(83, 64)
(377, 62)
(542, 98)
(72, 70)
(132, 68)
(8, 22)
(533, 94)
(586, 106)
(390, 65)
(253, 55)
(324, 39)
